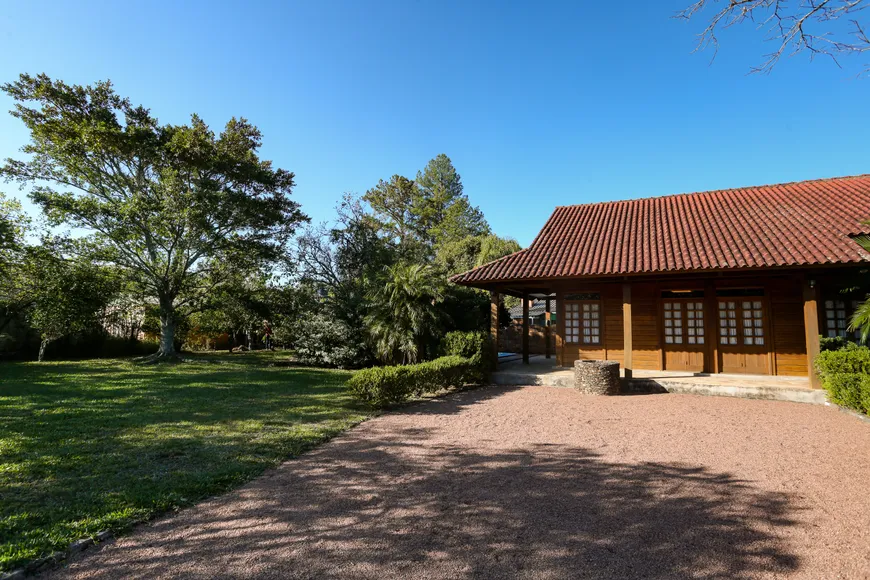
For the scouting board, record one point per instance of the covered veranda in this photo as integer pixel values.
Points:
(542, 371)
(625, 320)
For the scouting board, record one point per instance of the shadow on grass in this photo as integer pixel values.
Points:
(398, 506)
(91, 445)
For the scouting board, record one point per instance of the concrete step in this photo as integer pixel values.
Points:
(699, 385)
(748, 391)
(516, 378)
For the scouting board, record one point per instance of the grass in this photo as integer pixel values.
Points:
(92, 445)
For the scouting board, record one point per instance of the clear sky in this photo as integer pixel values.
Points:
(538, 104)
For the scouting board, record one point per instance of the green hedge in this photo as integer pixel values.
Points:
(833, 343)
(475, 346)
(383, 386)
(845, 374)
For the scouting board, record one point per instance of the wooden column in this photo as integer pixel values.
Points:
(560, 326)
(547, 349)
(495, 300)
(811, 330)
(711, 327)
(525, 327)
(627, 363)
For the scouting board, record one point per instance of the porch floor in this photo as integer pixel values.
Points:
(543, 371)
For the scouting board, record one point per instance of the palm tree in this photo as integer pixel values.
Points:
(861, 321)
(403, 315)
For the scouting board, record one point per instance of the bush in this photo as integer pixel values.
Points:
(384, 386)
(475, 346)
(833, 343)
(97, 345)
(325, 341)
(845, 374)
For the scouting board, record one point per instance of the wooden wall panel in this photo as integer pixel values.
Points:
(787, 320)
(614, 341)
(785, 304)
(647, 352)
(572, 352)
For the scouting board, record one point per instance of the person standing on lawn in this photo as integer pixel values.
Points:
(267, 335)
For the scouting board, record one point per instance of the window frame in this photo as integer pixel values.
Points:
(567, 319)
(700, 330)
(758, 325)
(849, 306)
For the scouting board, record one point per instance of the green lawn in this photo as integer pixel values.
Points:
(91, 445)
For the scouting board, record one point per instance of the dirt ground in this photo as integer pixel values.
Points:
(539, 482)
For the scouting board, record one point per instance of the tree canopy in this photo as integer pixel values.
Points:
(63, 296)
(443, 212)
(164, 203)
(13, 225)
(379, 273)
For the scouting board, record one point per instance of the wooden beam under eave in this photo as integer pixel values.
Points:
(525, 327)
(811, 330)
(627, 362)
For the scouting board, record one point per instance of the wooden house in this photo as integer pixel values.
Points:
(734, 281)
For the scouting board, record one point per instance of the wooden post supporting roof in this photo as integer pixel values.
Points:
(711, 335)
(493, 326)
(811, 329)
(547, 349)
(525, 327)
(626, 330)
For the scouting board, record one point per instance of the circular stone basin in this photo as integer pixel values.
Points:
(597, 377)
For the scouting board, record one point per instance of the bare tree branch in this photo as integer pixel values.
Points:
(795, 27)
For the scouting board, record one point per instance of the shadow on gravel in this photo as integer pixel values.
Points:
(455, 402)
(399, 507)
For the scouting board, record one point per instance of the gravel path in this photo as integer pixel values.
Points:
(539, 482)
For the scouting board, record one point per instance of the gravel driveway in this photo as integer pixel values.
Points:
(539, 482)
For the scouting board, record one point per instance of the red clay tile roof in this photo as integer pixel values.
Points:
(792, 224)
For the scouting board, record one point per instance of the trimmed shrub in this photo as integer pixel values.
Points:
(384, 386)
(845, 374)
(833, 343)
(475, 346)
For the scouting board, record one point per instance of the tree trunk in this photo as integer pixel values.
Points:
(167, 334)
(167, 351)
(42, 347)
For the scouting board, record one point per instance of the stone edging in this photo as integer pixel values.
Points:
(856, 414)
(57, 558)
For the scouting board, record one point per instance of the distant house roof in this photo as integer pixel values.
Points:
(792, 224)
(538, 308)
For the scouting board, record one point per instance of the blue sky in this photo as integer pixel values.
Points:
(538, 104)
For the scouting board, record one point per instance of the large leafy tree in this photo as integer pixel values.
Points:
(62, 296)
(339, 261)
(470, 252)
(337, 265)
(240, 305)
(393, 203)
(404, 318)
(442, 211)
(469, 308)
(165, 203)
(13, 225)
